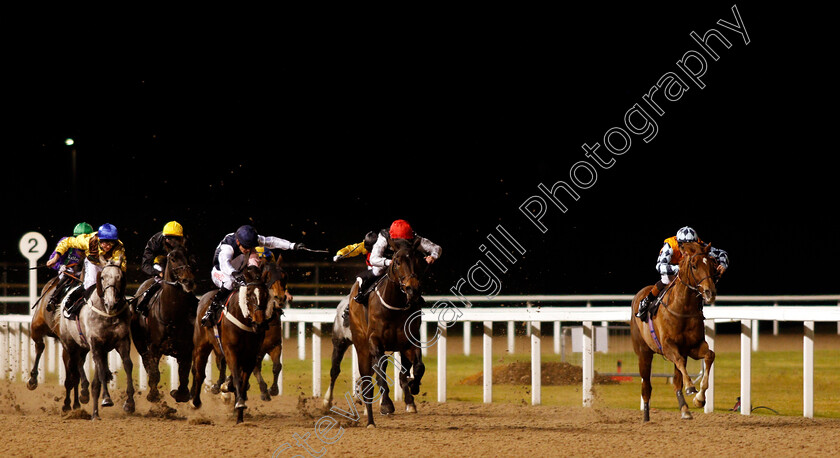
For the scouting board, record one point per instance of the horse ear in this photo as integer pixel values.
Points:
(99, 290)
(415, 243)
(707, 248)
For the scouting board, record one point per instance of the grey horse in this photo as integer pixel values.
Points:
(341, 339)
(101, 326)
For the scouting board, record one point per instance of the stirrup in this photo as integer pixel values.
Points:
(643, 307)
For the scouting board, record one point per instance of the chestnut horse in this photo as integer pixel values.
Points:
(381, 327)
(45, 324)
(102, 325)
(678, 330)
(168, 327)
(272, 345)
(236, 338)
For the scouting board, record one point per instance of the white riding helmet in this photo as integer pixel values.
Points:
(687, 234)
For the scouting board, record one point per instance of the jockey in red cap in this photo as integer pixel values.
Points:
(380, 255)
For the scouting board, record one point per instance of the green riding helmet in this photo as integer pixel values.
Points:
(82, 228)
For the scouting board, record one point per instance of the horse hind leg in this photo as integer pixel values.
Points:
(124, 349)
(645, 360)
(151, 361)
(39, 351)
(339, 348)
(84, 388)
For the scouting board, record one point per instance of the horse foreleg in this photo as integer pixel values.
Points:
(182, 394)
(276, 367)
(672, 353)
(685, 414)
(260, 381)
(339, 348)
(71, 379)
(408, 357)
(380, 367)
(151, 361)
(708, 357)
(366, 388)
(124, 349)
(238, 383)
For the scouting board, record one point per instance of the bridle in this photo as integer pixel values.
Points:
(174, 271)
(696, 286)
(400, 280)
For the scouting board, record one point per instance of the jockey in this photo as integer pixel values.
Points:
(69, 266)
(667, 264)
(380, 254)
(235, 252)
(154, 259)
(100, 248)
(362, 248)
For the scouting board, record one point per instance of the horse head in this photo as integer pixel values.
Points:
(253, 296)
(275, 279)
(110, 286)
(178, 270)
(699, 269)
(405, 266)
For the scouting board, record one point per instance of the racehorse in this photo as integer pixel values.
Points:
(272, 345)
(168, 327)
(102, 325)
(44, 324)
(381, 327)
(678, 332)
(341, 339)
(236, 338)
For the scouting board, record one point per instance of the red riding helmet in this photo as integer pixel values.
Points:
(400, 229)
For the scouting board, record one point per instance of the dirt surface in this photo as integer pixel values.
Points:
(33, 425)
(554, 373)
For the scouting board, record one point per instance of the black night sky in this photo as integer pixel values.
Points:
(323, 140)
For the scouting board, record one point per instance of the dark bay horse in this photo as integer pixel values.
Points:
(381, 327)
(168, 327)
(272, 345)
(45, 324)
(101, 326)
(678, 327)
(236, 338)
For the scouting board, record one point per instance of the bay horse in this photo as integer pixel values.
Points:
(168, 327)
(102, 325)
(236, 338)
(678, 330)
(272, 345)
(381, 327)
(45, 323)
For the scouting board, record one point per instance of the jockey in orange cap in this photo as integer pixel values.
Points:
(667, 264)
(380, 255)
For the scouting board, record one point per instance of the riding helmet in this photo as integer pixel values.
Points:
(107, 232)
(82, 228)
(247, 236)
(687, 234)
(173, 229)
(400, 229)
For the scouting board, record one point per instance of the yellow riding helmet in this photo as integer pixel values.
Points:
(173, 228)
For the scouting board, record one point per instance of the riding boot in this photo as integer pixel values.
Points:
(644, 305)
(58, 293)
(216, 305)
(142, 306)
(368, 281)
(76, 300)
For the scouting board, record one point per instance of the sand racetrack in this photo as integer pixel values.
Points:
(33, 425)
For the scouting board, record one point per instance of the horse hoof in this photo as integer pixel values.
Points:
(699, 402)
(193, 405)
(32, 383)
(265, 397)
(371, 426)
(225, 387)
(687, 416)
(215, 389)
(65, 408)
(107, 402)
(386, 409)
(84, 396)
(691, 390)
(274, 391)
(95, 417)
(327, 404)
(240, 405)
(153, 396)
(179, 396)
(128, 407)
(411, 408)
